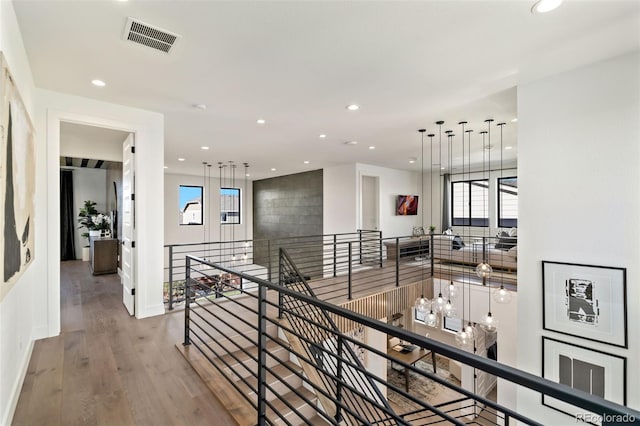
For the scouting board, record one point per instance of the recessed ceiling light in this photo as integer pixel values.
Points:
(200, 106)
(544, 6)
(273, 169)
(322, 136)
(514, 120)
(508, 147)
(412, 161)
(180, 159)
(372, 147)
(247, 175)
(166, 167)
(306, 162)
(204, 147)
(353, 107)
(351, 143)
(260, 121)
(98, 83)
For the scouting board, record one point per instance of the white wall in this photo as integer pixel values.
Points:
(19, 320)
(77, 147)
(88, 184)
(148, 128)
(340, 200)
(392, 183)
(342, 203)
(579, 168)
(174, 233)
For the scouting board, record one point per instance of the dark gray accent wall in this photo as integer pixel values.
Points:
(285, 207)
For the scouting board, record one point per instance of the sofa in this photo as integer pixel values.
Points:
(501, 252)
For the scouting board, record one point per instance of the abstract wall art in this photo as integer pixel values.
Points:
(17, 183)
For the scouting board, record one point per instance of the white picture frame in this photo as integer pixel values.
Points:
(595, 372)
(585, 301)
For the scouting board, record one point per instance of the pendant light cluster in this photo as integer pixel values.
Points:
(443, 304)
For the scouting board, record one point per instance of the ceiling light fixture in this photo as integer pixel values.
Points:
(514, 120)
(372, 147)
(351, 143)
(508, 147)
(98, 83)
(353, 107)
(412, 161)
(273, 169)
(322, 136)
(180, 159)
(204, 148)
(200, 106)
(247, 175)
(166, 167)
(260, 121)
(306, 162)
(544, 6)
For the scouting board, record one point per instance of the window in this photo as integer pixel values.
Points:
(508, 202)
(230, 206)
(470, 203)
(451, 324)
(190, 205)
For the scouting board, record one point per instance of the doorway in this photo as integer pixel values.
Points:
(91, 198)
(370, 199)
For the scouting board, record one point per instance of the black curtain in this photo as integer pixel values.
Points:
(67, 216)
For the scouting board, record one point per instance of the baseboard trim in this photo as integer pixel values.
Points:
(14, 396)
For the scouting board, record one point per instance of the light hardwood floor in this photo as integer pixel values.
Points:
(107, 368)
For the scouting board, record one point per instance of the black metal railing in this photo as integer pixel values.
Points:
(319, 256)
(338, 266)
(275, 347)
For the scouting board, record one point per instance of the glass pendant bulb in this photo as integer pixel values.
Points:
(439, 302)
(233, 257)
(422, 304)
(489, 323)
(449, 310)
(501, 295)
(463, 339)
(431, 319)
(452, 290)
(484, 270)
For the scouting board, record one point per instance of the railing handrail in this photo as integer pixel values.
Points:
(348, 349)
(511, 374)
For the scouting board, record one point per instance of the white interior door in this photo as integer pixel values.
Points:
(370, 209)
(128, 225)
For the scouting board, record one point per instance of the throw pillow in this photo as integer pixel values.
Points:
(457, 243)
(448, 232)
(513, 232)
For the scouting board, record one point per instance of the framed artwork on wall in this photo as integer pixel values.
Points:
(585, 301)
(597, 373)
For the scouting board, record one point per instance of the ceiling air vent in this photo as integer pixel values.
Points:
(150, 36)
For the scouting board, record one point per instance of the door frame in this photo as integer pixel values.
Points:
(362, 176)
(148, 129)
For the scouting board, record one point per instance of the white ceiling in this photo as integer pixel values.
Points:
(298, 64)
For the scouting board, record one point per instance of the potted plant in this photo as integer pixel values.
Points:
(85, 218)
(102, 224)
(432, 229)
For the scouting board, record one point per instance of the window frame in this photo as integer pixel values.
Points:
(180, 186)
(498, 213)
(239, 222)
(468, 221)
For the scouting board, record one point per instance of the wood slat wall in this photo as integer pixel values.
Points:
(381, 305)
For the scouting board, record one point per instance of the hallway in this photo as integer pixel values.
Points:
(107, 368)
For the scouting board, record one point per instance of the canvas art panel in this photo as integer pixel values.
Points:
(597, 373)
(17, 183)
(585, 301)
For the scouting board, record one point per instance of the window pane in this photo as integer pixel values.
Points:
(230, 205)
(190, 205)
(470, 203)
(508, 202)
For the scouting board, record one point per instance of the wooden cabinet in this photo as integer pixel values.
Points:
(104, 255)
